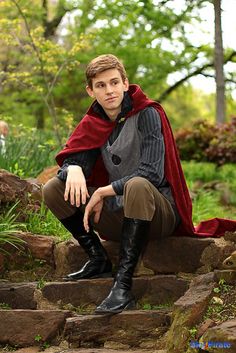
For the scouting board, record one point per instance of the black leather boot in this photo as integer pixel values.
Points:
(133, 239)
(99, 264)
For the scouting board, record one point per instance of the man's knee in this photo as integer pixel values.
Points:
(136, 184)
(51, 190)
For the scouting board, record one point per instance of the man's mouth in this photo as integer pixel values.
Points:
(111, 99)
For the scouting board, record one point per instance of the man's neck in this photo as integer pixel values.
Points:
(112, 115)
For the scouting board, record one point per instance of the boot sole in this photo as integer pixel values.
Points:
(102, 275)
(129, 306)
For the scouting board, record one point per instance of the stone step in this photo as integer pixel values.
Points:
(149, 291)
(57, 349)
(129, 329)
(44, 257)
(24, 328)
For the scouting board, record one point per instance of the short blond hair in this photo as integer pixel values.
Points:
(4, 128)
(103, 63)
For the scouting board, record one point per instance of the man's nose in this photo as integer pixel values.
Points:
(109, 89)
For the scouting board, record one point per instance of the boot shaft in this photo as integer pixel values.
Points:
(90, 242)
(134, 237)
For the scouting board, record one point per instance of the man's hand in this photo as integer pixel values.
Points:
(76, 189)
(95, 204)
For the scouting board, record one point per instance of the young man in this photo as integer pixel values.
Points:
(121, 166)
(4, 129)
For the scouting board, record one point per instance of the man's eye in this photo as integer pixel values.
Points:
(115, 82)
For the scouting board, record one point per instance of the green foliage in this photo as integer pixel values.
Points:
(222, 307)
(192, 332)
(148, 306)
(5, 306)
(41, 283)
(38, 338)
(208, 184)
(46, 45)
(44, 222)
(28, 151)
(206, 142)
(8, 228)
(223, 287)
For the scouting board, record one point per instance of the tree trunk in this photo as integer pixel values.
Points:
(219, 65)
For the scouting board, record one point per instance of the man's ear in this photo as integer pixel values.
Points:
(126, 85)
(90, 91)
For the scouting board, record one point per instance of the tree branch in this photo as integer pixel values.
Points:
(51, 26)
(198, 71)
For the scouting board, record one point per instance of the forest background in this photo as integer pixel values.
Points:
(45, 46)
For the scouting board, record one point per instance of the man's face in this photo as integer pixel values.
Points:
(108, 89)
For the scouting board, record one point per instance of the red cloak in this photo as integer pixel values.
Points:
(93, 132)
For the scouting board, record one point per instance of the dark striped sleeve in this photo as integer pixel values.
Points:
(84, 159)
(152, 158)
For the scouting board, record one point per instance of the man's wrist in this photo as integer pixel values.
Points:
(105, 191)
(72, 166)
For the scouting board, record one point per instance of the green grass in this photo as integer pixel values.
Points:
(28, 153)
(8, 228)
(44, 222)
(213, 189)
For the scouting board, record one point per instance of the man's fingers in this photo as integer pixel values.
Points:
(97, 216)
(86, 215)
(84, 194)
(77, 197)
(66, 193)
(72, 195)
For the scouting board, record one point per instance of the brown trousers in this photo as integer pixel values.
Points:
(141, 201)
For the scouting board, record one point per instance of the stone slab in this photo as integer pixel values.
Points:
(18, 295)
(85, 350)
(162, 256)
(24, 328)
(225, 332)
(162, 289)
(188, 311)
(130, 328)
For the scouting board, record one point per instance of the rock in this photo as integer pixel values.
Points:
(39, 246)
(13, 189)
(69, 257)
(28, 327)
(188, 311)
(172, 255)
(229, 276)
(204, 326)
(47, 174)
(129, 328)
(214, 254)
(116, 345)
(230, 236)
(18, 296)
(217, 300)
(230, 262)
(155, 290)
(28, 350)
(219, 335)
(35, 254)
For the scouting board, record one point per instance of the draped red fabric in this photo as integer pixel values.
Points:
(92, 132)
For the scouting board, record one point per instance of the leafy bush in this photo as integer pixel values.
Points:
(207, 142)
